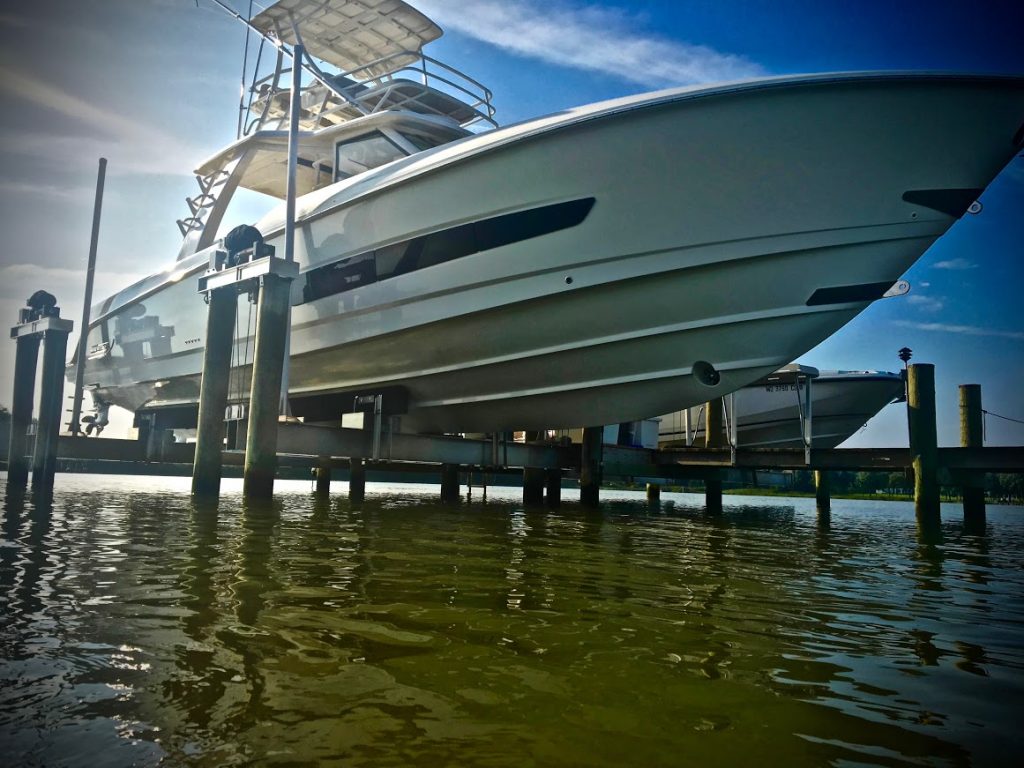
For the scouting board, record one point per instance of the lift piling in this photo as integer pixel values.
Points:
(713, 438)
(972, 436)
(356, 480)
(822, 496)
(265, 391)
(923, 440)
(51, 402)
(213, 391)
(533, 486)
(39, 322)
(22, 405)
(590, 466)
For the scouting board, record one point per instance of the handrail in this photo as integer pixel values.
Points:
(375, 74)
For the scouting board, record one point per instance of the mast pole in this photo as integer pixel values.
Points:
(245, 67)
(289, 216)
(75, 426)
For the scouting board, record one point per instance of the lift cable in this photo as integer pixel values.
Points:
(1005, 418)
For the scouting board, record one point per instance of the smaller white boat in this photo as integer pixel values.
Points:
(772, 412)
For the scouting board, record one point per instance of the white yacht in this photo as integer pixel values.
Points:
(593, 266)
(774, 412)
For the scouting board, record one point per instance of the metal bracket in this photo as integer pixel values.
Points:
(42, 325)
(242, 276)
(377, 401)
(899, 288)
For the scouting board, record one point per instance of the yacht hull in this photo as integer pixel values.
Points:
(736, 228)
(769, 414)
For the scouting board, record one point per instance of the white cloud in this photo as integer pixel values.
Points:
(587, 37)
(49, 191)
(965, 330)
(926, 303)
(957, 263)
(18, 281)
(139, 148)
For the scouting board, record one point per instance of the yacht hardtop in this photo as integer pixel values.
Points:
(387, 100)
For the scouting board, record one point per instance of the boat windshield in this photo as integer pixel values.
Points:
(363, 153)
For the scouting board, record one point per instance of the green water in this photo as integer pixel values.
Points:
(139, 629)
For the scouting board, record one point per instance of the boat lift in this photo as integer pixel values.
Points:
(799, 377)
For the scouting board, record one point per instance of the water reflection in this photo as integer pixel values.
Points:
(400, 632)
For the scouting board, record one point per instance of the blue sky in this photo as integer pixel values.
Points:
(153, 86)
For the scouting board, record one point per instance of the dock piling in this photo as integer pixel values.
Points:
(356, 480)
(265, 398)
(553, 487)
(22, 404)
(449, 483)
(713, 438)
(533, 486)
(821, 491)
(323, 480)
(51, 403)
(924, 451)
(213, 392)
(972, 436)
(653, 492)
(590, 466)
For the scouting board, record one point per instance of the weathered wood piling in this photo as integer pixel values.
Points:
(714, 437)
(590, 466)
(533, 486)
(923, 440)
(213, 391)
(265, 393)
(22, 405)
(51, 404)
(40, 322)
(356, 479)
(972, 436)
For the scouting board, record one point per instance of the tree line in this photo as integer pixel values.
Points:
(998, 486)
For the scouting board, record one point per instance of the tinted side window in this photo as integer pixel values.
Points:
(446, 245)
(340, 276)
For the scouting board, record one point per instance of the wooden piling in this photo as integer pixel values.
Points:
(924, 451)
(356, 479)
(590, 466)
(653, 492)
(22, 404)
(533, 486)
(714, 437)
(323, 479)
(449, 483)
(51, 406)
(265, 397)
(972, 436)
(553, 487)
(822, 494)
(213, 392)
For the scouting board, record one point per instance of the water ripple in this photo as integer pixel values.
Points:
(140, 628)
